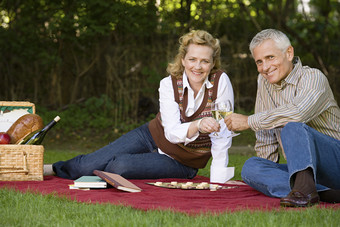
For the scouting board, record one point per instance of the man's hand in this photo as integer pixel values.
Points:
(236, 122)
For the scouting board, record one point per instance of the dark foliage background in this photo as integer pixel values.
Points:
(99, 62)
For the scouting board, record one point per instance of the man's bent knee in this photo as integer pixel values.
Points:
(250, 167)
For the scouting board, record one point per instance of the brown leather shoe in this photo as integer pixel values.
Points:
(298, 199)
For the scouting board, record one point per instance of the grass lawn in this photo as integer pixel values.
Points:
(29, 209)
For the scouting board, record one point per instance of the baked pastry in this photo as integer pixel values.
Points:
(23, 126)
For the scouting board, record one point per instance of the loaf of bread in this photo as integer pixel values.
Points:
(23, 126)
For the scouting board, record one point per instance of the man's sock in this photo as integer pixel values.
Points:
(48, 170)
(330, 196)
(304, 182)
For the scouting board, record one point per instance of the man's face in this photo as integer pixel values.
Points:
(271, 62)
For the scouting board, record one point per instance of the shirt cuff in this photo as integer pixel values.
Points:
(253, 122)
(221, 174)
(193, 138)
(187, 140)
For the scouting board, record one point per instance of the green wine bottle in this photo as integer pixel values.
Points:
(36, 137)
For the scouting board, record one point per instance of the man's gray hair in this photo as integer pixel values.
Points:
(281, 40)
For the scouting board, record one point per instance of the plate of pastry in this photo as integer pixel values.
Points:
(190, 185)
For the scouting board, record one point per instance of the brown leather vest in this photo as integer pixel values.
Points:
(197, 153)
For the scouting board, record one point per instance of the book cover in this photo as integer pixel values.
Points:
(71, 186)
(90, 182)
(117, 181)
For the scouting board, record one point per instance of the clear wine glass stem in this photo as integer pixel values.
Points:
(229, 107)
(233, 134)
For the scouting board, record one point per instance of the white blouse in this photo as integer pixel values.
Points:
(176, 132)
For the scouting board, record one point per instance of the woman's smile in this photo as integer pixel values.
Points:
(198, 63)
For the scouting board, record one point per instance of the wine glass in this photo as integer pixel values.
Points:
(218, 111)
(229, 110)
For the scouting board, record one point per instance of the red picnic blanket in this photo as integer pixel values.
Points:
(242, 197)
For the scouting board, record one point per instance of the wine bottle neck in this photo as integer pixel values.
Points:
(51, 124)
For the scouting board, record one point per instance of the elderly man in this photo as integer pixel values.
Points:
(295, 109)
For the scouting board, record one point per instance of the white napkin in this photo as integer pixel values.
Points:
(221, 175)
(7, 119)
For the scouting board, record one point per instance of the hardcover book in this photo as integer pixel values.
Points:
(117, 181)
(90, 182)
(71, 186)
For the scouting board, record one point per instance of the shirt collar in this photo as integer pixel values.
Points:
(186, 84)
(293, 76)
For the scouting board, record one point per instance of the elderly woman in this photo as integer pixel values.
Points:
(182, 137)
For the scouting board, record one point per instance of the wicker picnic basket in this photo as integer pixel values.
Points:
(17, 105)
(21, 162)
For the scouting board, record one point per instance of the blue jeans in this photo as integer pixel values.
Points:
(304, 147)
(133, 156)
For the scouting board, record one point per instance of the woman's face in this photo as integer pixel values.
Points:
(198, 63)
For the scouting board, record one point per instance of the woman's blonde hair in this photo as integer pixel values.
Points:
(198, 37)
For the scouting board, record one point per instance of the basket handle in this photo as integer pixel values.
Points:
(14, 169)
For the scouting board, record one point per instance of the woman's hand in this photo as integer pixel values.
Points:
(204, 125)
(208, 125)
